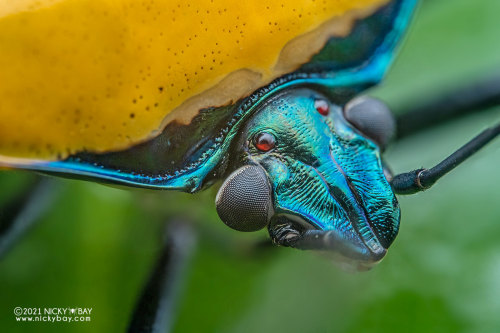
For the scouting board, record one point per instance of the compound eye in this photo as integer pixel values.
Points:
(244, 201)
(264, 141)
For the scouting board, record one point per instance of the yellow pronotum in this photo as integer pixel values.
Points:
(101, 75)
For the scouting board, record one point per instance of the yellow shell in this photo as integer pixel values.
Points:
(102, 75)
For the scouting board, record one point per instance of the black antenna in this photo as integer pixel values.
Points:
(422, 179)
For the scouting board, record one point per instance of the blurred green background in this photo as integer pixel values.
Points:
(96, 246)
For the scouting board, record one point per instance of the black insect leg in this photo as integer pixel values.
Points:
(155, 310)
(422, 179)
(24, 210)
(480, 95)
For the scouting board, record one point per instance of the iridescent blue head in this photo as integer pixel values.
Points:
(317, 172)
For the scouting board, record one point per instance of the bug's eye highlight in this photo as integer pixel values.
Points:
(264, 141)
(322, 107)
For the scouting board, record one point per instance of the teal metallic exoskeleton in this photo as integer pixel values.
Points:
(314, 169)
(300, 155)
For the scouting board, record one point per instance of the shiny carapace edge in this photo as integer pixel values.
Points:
(187, 157)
